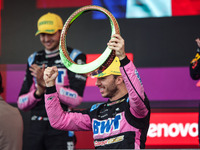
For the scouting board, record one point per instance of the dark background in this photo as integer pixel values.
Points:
(155, 42)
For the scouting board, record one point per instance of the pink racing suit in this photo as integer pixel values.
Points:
(70, 87)
(119, 124)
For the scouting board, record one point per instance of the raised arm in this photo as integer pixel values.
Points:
(59, 118)
(131, 78)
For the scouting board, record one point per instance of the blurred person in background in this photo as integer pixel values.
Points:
(11, 125)
(70, 87)
(195, 63)
(195, 73)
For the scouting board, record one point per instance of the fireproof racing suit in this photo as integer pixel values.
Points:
(120, 124)
(70, 87)
(195, 75)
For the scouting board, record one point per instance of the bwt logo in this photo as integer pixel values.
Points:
(173, 130)
(104, 126)
(67, 93)
(23, 100)
(61, 76)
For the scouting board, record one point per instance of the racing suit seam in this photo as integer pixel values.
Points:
(132, 85)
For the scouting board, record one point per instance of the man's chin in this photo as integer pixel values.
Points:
(104, 95)
(49, 49)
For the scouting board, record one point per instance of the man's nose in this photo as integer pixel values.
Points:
(46, 37)
(97, 83)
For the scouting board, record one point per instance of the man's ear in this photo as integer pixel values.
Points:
(119, 80)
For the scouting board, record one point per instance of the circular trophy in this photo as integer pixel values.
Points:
(103, 61)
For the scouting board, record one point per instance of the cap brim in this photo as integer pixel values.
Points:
(48, 32)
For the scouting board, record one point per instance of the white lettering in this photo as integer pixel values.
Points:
(161, 127)
(152, 130)
(184, 130)
(173, 130)
(193, 130)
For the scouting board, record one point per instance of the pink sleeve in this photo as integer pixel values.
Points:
(27, 101)
(63, 120)
(68, 96)
(135, 90)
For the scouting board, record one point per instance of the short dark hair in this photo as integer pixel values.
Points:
(1, 86)
(115, 76)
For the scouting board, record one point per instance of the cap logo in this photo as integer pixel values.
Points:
(101, 74)
(50, 30)
(115, 71)
(46, 22)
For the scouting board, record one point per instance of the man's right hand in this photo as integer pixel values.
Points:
(117, 44)
(37, 72)
(50, 75)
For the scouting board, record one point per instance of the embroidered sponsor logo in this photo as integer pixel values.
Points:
(61, 76)
(58, 61)
(95, 106)
(23, 99)
(103, 111)
(68, 93)
(70, 145)
(46, 22)
(50, 98)
(74, 54)
(39, 118)
(81, 77)
(109, 141)
(105, 126)
(103, 116)
(100, 75)
(138, 76)
(80, 62)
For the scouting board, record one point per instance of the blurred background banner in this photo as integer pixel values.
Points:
(131, 8)
(41, 4)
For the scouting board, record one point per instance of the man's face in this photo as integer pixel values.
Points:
(107, 86)
(50, 41)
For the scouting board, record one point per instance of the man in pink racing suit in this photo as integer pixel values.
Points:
(120, 123)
